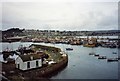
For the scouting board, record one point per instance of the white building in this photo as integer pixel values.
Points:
(26, 62)
(14, 57)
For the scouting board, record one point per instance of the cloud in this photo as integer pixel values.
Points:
(60, 16)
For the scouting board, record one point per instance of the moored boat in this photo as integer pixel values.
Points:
(102, 57)
(114, 52)
(96, 55)
(112, 60)
(69, 48)
(89, 45)
(92, 53)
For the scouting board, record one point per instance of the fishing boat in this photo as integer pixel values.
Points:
(8, 51)
(118, 57)
(102, 57)
(114, 52)
(112, 59)
(69, 49)
(89, 45)
(96, 55)
(92, 53)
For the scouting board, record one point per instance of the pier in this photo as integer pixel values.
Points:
(47, 70)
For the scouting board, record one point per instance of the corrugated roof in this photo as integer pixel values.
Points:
(30, 57)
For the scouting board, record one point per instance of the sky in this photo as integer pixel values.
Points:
(73, 15)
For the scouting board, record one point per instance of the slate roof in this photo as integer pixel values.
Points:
(30, 57)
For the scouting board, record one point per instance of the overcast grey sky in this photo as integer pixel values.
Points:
(60, 15)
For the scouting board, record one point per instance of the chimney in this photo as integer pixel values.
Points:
(31, 57)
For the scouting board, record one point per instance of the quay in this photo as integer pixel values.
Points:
(85, 41)
(48, 68)
(106, 38)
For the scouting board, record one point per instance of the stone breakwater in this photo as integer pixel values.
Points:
(53, 69)
(10, 71)
(40, 73)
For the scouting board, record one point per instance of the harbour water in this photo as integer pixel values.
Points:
(98, 37)
(81, 65)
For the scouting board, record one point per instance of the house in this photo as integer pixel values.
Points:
(30, 61)
(14, 57)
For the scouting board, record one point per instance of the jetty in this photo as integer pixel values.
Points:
(53, 60)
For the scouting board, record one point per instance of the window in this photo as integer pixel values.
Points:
(37, 63)
(28, 64)
(18, 66)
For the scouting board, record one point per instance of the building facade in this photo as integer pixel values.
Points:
(26, 62)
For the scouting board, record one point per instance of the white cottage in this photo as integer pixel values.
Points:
(26, 62)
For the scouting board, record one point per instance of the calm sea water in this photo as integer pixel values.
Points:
(81, 65)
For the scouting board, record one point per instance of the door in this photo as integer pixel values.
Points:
(18, 66)
(37, 63)
(28, 65)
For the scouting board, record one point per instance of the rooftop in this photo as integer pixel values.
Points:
(30, 57)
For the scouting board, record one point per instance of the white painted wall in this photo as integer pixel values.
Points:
(40, 62)
(33, 64)
(23, 65)
(18, 60)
